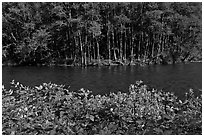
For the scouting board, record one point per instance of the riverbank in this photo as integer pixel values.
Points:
(101, 63)
(51, 109)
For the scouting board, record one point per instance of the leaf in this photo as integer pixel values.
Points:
(12, 132)
(158, 130)
(119, 132)
(167, 117)
(91, 117)
(112, 127)
(39, 88)
(52, 132)
(139, 122)
(167, 132)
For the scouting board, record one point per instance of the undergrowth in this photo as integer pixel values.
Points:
(51, 109)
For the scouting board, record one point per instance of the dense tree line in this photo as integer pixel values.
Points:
(85, 33)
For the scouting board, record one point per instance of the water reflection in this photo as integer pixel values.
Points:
(176, 78)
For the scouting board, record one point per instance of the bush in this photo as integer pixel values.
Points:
(53, 109)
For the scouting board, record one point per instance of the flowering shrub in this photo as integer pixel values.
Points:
(53, 109)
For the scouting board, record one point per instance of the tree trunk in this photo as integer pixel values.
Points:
(85, 51)
(125, 50)
(146, 50)
(109, 52)
(139, 47)
(93, 44)
(94, 52)
(66, 45)
(81, 48)
(76, 45)
(121, 44)
(159, 50)
(132, 45)
(153, 47)
(115, 58)
(98, 54)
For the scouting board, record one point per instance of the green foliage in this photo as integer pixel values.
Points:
(54, 109)
(87, 31)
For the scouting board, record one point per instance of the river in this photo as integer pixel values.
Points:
(176, 78)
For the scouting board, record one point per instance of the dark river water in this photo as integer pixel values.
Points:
(175, 78)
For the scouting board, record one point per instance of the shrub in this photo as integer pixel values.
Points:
(54, 109)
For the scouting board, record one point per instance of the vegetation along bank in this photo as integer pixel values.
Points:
(54, 109)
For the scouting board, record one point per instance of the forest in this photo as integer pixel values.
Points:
(101, 33)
